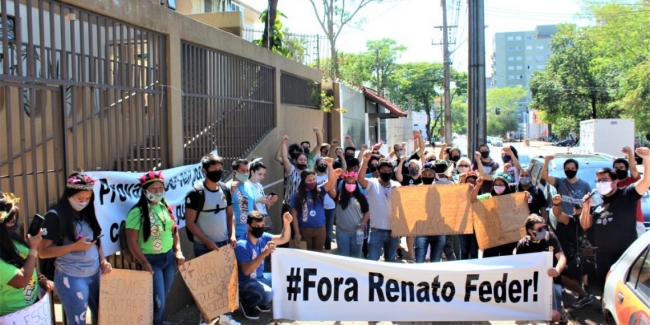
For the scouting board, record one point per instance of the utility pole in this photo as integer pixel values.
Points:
(476, 117)
(446, 98)
(377, 71)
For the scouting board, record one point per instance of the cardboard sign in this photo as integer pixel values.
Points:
(212, 280)
(126, 297)
(431, 210)
(38, 313)
(498, 220)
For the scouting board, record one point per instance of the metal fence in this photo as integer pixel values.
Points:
(227, 103)
(77, 90)
(298, 91)
(310, 50)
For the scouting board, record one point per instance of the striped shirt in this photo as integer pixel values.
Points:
(291, 182)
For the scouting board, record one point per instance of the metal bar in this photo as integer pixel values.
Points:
(5, 38)
(19, 36)
(23, 160)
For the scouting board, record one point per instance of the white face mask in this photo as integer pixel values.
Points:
(77, 206)
(462, 170)
(155, 197)
(604, 187)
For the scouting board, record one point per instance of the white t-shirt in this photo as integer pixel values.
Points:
(328, 203)
(380, 198)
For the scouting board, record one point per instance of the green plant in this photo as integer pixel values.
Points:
(276, 34)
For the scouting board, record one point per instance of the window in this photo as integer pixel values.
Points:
(511, 68)
(510, 48)
(509, 38)
(539, 58)
(529, 47)
(10, 28)
(540, 67)
(540, 47)
(511, 58)
(639, 275)
(529, 38)
(520, 77)
(529, 58)
(518, 48)
(511, 77)
(518, 38)
(518, 58)
(519, 67)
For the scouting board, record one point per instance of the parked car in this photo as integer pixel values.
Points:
(627, 289)
(564, 143)
(589, 164)
(497, 142)
(524, 159)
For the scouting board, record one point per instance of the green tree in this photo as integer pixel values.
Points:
(332, 17)
(416, 84)
(575, 85)
(273, 36)
(383, 55)
(506, 100)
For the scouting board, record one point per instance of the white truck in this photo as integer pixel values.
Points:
(607, 136)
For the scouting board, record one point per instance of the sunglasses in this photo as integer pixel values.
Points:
(463, 166)
(541, 228)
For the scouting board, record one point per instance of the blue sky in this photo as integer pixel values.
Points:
(410, 23)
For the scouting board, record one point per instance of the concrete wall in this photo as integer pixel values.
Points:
(354, 120)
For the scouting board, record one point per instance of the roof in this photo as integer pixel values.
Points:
(394, 110)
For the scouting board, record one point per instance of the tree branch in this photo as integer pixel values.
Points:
(362, 4)
(320, 21)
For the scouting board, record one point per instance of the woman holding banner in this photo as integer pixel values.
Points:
(19, 281)
(153, 239)
(71, 236)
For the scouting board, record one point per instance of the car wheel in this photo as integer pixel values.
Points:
(608, 319)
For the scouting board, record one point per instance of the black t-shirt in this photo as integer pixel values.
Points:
(614, 221)
(568, 236)
(405, 165)
(526, 245)
(489, 168)
(407, 180)
(539, 202)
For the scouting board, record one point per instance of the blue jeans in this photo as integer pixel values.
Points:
(330, 215)
(468, 246)
(201, 249)
(557, 298)
(422, 243)
(163, 266)
(76, 294)
(347, 245)
(378, 239)
(256, 292)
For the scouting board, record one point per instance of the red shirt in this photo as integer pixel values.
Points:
(627, 182)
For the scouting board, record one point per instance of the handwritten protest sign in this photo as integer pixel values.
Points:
(431, 210)
(38, 313)
(212, 280)
(126, 297)
(498, 220)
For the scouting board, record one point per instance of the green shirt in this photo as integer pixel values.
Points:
(484, 197)
(14, 299)
(161, 239)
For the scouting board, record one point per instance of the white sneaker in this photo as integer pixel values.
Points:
(226, 319)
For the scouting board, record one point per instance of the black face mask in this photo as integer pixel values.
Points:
(301, 166)
(621, 174)
(372, 168)
(455, 158)
(257, 232)
(506, 158)
(321, 168)
(214, 176)
(485, 154)
(385, 176)
(349, 156)
(428, 180)
(306, 150)
(570, 174)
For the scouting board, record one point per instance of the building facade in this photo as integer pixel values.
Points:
(516, 56)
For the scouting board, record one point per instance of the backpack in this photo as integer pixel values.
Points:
(46, 265)
(200, 189)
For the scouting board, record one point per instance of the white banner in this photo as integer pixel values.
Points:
(310, 286)
(38, 313)
(118, 192)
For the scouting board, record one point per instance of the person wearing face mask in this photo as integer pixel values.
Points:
(571, 188)
(291, 172)
(255, 292)
(380, 193)
(373, 171)
(214, 224)
(485, 166)
(414, 177)
(468, 243)
(511, 164)
(19, 279)
(262, 201)
(537, 203)
(243, 197)
(339, 162)
(400, 151)
(463, 166)
(499, 187)
(329, 205)
(569, 232)
(152, 237)
(352, 214)
(539, 239)
(622, 166)
(614, 220)
(436, 243)
(239, 174)
(306, 147)
(308, 207)
(79, 257)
